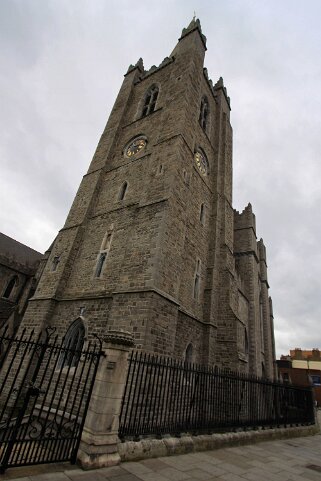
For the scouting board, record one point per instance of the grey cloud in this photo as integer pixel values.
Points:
(62, 66)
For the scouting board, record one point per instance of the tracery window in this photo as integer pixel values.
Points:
(73, 344)
(204, 114)
(150, 100)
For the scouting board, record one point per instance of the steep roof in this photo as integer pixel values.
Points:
(17, 253)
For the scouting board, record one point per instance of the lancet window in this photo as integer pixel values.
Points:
(204, 114)
(202, 214)
(123, 191)
(197, 277)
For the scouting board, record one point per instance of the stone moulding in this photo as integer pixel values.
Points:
(168, 446)
(119, 337)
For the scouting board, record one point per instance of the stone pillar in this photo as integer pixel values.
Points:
(99, 441)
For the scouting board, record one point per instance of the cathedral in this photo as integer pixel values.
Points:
(152, 244)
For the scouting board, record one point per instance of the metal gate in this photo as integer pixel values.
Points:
(45, 389)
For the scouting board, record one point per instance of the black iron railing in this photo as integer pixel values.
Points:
(44, 396)
(165, 396)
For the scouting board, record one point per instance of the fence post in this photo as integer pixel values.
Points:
(98, 445)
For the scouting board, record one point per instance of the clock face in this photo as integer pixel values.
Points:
(201, 162)
(135, 147)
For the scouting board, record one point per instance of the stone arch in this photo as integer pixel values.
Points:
(189, 353)
(73, 344)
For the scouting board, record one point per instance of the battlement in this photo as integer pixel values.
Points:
(245, 219)
(146, 73)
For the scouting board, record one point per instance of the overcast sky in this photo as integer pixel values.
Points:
(62, 64)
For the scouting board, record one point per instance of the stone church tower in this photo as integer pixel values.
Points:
(152, 244)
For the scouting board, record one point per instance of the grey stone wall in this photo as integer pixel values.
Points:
(159, 241)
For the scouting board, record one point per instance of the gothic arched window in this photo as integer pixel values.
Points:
(10, 286)
(204, 113)
(73, 344)
(150, 100)
(189, 354)
(196, 287)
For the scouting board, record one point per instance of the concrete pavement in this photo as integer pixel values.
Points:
(296, 459)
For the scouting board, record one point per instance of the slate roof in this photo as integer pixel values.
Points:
(17, 253)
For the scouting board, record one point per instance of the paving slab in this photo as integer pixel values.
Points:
(296, 459)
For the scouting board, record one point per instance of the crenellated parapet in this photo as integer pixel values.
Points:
(218, 87)
(146, 73)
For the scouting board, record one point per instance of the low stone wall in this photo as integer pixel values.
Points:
(168, 446)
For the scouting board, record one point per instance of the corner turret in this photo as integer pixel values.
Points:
(245, 231)
(139, 65)
(263, 265)
(194, 25)
(191, 40)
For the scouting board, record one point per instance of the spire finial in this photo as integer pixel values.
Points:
(194, 16)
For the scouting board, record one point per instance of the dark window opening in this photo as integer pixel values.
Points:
(72, 345)
(189, 354)
(196, 286)
(10, 286)
(150, 101)
(123, 191)
(202, 214)
(204, 113)
(316, 380)
(285, 376)
(55, 263)
(246, 343)
(100, 263)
